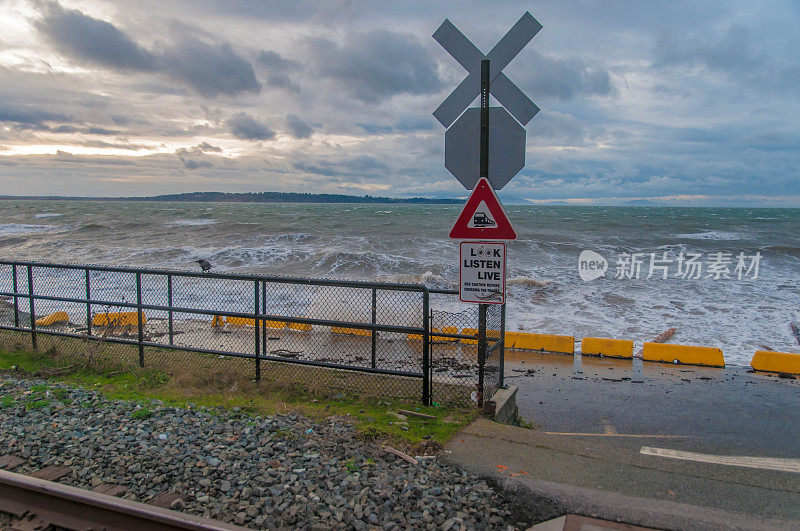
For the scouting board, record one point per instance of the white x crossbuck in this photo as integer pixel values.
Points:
(469, 56)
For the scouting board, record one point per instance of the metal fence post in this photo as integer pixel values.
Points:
(481, 350)
(264, 321)
(257, 327)
(374, 320)
(139, 317)
(426, 350)
(169, 303)
(16, 290)
(33, 312)
(88, 304)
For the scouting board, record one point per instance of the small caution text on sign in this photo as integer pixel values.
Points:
(483, 272)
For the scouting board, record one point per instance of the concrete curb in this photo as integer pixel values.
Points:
(503, 405)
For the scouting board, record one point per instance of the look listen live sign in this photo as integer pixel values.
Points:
(483, 272)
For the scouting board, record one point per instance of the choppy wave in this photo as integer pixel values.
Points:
(792, 250)
(91, 227)
(48, 215)
(719, 235)
(191, 222)
(14, 229)
(528, 282)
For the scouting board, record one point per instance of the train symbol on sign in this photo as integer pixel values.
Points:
(482, 220)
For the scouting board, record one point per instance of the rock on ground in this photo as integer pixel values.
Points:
(260, 472)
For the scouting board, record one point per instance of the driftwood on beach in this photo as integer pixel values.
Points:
(796, 331)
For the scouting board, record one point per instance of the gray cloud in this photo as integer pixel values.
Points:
(564, 79)
(278, 68)
(210, 69)
(275, 61)
(378, 65)
(361, 166)
(298, 127)
(65, 129)
(31, 116)
(199, 149)
(192, 164)
(733, 52)
(244, 127)
(92, 40)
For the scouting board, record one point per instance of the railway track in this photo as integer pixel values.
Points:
(38, 504)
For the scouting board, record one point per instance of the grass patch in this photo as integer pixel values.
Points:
(141, 414)
(375, 418)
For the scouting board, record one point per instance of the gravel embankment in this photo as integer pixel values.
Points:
(261, 472)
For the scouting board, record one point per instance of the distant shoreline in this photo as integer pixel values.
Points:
(251, 197)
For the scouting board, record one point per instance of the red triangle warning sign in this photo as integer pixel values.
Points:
(483, 217)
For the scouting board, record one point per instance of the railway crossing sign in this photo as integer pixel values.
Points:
(506, 156)
(483, 217)
(469, 56)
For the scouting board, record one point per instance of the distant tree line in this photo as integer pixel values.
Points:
(259, 197)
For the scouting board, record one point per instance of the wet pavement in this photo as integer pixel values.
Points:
(716, 410)
(669, 446)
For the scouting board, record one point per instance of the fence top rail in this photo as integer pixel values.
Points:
(228, 276)
(441, 291)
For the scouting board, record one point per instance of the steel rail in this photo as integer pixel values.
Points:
(74, 508)
(226, 313)
(386, 286)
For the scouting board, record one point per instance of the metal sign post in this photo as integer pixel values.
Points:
(485, 118)
(482, 268)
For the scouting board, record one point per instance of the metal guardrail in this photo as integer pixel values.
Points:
(384, 311)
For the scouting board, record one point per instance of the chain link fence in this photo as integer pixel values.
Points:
(376, 339)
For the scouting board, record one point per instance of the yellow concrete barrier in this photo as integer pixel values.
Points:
(244, 321)
(548, 342)
(602, 346)
(492, 336)
(766, 360)
(511, 339)
(302, 327)
(446, 330)
(218, 320)
(684, 354)
(117, 319)
(351, 331)
(53, 319)
(469, 332)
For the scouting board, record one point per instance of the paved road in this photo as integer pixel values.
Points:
(648, 443)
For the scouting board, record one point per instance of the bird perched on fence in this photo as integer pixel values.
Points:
(205, 265)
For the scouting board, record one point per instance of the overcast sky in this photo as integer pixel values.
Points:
(685, 103)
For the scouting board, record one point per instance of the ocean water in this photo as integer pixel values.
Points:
(409, 243)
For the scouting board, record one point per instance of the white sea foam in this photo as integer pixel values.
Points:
(15, 229)
(191, 222)
(719, 235)
(48, 215)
